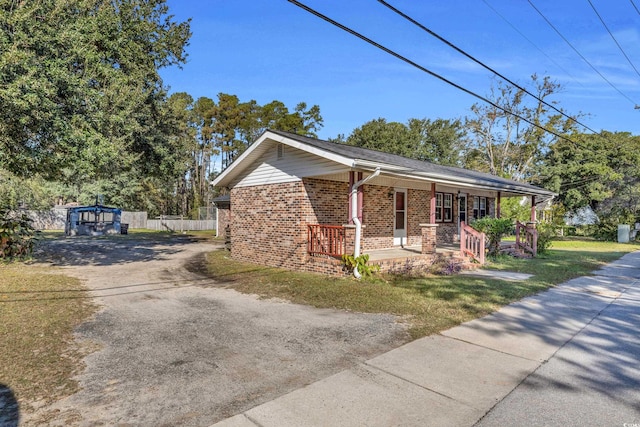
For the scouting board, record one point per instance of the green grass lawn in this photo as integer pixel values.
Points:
(428, 304)
(38, 311)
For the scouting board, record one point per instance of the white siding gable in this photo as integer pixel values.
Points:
(294, 165)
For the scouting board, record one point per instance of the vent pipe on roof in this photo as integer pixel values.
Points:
(356, 220)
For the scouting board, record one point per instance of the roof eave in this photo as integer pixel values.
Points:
(441, 179)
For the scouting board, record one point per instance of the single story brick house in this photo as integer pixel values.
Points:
(300, 203)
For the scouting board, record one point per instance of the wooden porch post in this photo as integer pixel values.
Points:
(432, 210)
(498, 204)
(533, 209)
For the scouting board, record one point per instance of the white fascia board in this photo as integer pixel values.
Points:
(227, 175)
(312, 150)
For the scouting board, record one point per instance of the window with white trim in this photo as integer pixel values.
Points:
(479, 207)
(447, 210)
(444, 207)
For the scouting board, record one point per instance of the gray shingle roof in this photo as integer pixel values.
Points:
(417, 167)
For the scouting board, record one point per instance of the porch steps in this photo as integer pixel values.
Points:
(511, 250)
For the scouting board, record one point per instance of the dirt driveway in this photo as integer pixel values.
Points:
(175, 348)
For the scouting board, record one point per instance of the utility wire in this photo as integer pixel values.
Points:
(635, 7)
(580, 55)
(421, 68)
(482, 64)
(413, 21)
(531, 42)
(614, 39)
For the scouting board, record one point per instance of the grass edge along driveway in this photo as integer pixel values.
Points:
(428, 304)
(39, 310)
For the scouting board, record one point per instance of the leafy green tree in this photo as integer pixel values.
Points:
(439, 141)
(390, 137)
(506, 145)
(79, 84)
(596, 170)
(236, 125)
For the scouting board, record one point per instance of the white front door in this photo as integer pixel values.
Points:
(400, 217)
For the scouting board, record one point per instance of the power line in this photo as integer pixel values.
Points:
(420, 67)
(531, 42)
(614, 39)
(580, 55)
(482, 64)
(635, 7)
(489, 68)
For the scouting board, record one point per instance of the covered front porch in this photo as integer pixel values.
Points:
(332, 242)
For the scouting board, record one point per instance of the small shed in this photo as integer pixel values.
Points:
(93, 220)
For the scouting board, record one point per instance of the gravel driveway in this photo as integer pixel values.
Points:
(175, 348)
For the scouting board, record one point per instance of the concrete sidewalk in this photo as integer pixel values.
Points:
(457, 377)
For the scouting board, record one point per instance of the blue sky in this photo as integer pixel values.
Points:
(271, 49)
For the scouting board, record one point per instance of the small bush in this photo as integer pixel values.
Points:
(17, 235)
(366, 270)
(546, 232)
(439, 266)
(606, 230)
(495, 229)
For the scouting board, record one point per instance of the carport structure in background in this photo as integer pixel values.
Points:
(93, 220)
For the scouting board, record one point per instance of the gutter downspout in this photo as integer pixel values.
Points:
(356, 220)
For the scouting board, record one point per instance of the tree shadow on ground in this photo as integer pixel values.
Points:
(592, 320)
(110, 250)
(9, 407)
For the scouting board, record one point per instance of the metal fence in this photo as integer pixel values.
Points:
(207, 212)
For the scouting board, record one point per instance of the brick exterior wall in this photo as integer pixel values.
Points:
(224, 219)
(377, 218)
(418, 208)
(269, 222)
(429, 244)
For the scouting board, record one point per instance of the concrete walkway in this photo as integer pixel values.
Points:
(568, 356)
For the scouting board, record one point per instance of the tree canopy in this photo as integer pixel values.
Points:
(440, 141)
(510, 141)
(79, 83)
(596, 170)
